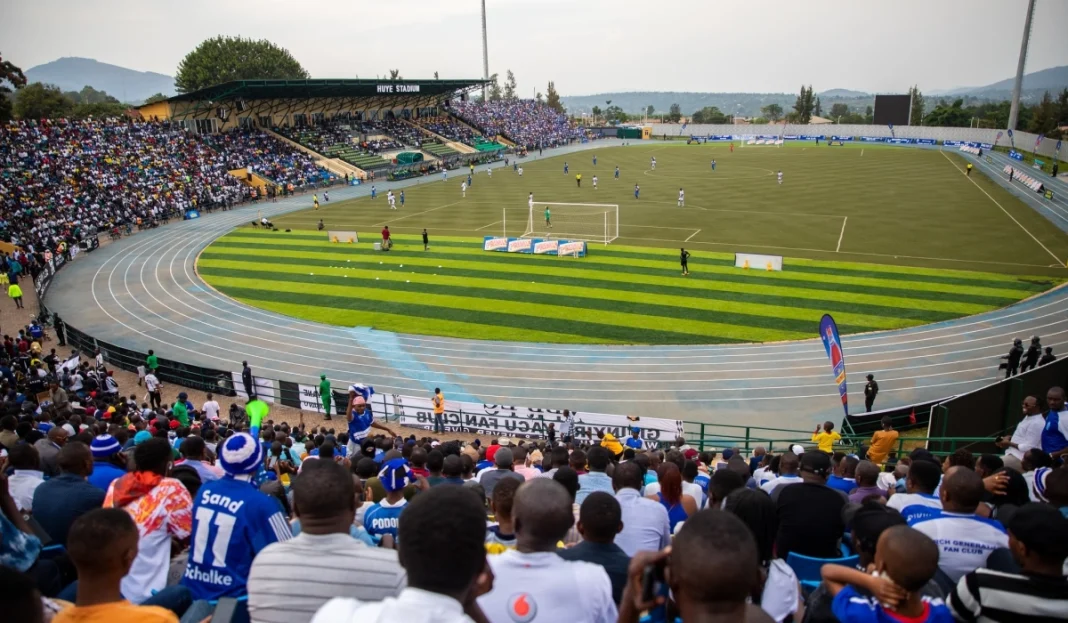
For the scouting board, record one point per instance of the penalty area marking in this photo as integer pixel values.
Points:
(692, 235)
(845, 219)
(488, 226)
(983, 190)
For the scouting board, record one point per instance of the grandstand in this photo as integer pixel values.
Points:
(345, 126)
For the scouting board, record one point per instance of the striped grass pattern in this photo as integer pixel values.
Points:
(617, 295)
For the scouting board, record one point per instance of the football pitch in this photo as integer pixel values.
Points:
(881, 237)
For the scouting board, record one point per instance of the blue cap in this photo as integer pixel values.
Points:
(104, 446)
(395, 475)
(240, 454)
(141, 437)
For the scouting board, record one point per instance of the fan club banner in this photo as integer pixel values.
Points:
(509, 421)
(833, 345)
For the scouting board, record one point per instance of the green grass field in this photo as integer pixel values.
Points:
(881, 237)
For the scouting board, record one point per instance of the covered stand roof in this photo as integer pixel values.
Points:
(324, 88)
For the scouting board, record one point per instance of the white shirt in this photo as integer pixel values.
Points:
(681, 194)
(211, 409)
(151, 382)
(1028, 435)
(786, 479)
(22, 484)
(413, 605)
(918, 501)
(964, 540)
(544, 587)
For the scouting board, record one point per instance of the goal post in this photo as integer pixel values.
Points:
(592, 222)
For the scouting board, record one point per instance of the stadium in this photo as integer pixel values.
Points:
(477, 275)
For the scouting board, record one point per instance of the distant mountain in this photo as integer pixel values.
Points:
(843, 93)
(1034, 85)
(128, 85)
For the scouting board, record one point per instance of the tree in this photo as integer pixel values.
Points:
(869, 114)
(839, 110)
(954, 115)
(552, 98)
(89, 95)
(1062, 108)
(804, 105)
(674, 113)
(539, 98)
(772, 111)
(40, 101)
(596, 111)
(222, 59)
(493, 93)
(13, 76)
(1044, 117)
(394, 74)
(98, 110)
(709, 114)
(818, 110)
(916, 114)
(614, 114)
(649, 110)
(435, 75)
(509, 86)
(158, 97)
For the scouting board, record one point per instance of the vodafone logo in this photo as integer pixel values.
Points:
(522, 608)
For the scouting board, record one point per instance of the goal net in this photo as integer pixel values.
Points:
(592, 222)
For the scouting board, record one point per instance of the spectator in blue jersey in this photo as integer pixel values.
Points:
(232, 522)
(635, 439)
(965, 539)
(382, 518)
(844, 477)
(109, 462)
(361, 421)
(1055, 431)
(920, 484)
(905, 560)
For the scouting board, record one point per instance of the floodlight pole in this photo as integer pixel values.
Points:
(485, 51)
(1014, 109)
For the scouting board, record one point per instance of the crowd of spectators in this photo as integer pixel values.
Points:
(117, 511)
(449, 128)
(528, 123)
(266, 156)
(404, 132)
(320, 138)
(62, 180)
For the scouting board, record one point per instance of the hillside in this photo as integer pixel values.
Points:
(128, 85)
(742, 104)
(1034, 84)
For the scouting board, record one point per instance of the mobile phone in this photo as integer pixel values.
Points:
(225, 611)
(653, 581)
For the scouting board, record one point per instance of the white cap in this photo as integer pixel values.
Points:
(797, 449)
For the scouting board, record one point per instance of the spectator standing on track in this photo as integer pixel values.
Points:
(152, 385)
(247, 381)
(871, 389)
(325, 395)
(439, 403)
(15, 292)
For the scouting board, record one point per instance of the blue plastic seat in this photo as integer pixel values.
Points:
(807, 568)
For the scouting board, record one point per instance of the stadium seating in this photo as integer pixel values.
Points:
(440, 150)
(527, 123)
(267, 157)
(450, 129)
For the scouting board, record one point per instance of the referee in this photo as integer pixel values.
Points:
(684, 258)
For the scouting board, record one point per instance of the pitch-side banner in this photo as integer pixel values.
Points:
(510, 421)
(833, 345)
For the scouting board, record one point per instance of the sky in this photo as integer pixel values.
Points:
(585, 46)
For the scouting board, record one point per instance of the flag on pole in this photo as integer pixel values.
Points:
(892, 130)
(833, 345)
(998, 138)
(1012, 142)
(1038, 140)
(1057, 151)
